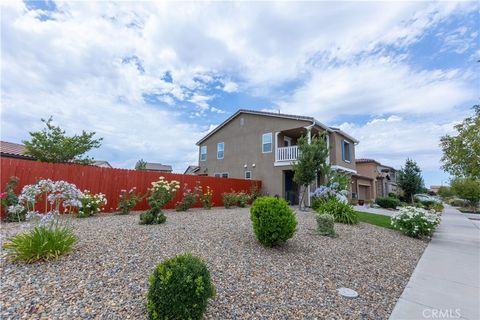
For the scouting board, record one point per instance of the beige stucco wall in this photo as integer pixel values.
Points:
(336, 151)
(243, 146)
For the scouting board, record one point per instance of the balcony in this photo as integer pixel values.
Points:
(286, 154)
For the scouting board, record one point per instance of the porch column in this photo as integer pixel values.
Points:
(276, 146)
(309, 135)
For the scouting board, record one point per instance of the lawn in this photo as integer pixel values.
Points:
(106, 275)
(375, 219)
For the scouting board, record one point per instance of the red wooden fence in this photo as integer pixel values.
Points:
(110, 182)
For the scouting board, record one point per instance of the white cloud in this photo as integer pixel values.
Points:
(378, 86)
(392, 140)
(93, 65)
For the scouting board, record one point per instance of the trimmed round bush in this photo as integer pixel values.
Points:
(273, 221)
(325, 224)
(387, 203)
(342, 212)
(179, 289)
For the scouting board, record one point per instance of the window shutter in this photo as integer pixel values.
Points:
(343, 150)
(349, 152)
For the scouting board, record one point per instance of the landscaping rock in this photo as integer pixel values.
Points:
(106, 275)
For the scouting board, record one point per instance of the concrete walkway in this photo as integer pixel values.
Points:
(445, 283)
(381, 211)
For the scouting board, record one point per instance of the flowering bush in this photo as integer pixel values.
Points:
(161, 193)
(229, 199)
(128, 200)
(91, 204)
(49, 238)
(324, 193)
(9, 201)
(415, 222)
(242, 199)
(206, 198)
(189, 198)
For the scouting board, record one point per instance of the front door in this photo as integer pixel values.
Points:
(291, 188)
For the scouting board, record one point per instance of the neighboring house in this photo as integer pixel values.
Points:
(158, 167)
(102, 164)
(16, 150)
(263, 145)
(192, 170)
(13, 150)
(373, 180)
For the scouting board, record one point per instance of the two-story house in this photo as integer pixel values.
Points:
(374, 180)
(263, 145)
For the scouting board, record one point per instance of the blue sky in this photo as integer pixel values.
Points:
(153, 78)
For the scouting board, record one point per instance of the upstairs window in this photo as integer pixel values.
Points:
(248, 174)
(267, 142)
(224, 174)
(220, 150)
(346, 151)
(203, 153)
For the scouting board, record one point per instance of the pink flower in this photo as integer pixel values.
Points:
(3, 195)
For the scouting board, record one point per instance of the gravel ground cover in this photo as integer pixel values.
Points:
(106, 276)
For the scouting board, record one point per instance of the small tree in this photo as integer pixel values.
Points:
(410, 179)
(52, 145)
(445, 192)
(461, 153)
(467, 189)
(311, 159)
(141, 165)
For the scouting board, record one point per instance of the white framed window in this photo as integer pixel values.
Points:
(346, 151)
(220, 150)
(248, 174)
(203, 153)
(267, 144)
(217, 175)
(224, 174)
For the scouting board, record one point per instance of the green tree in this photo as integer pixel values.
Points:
(467, 189)
(461, 153)
(445, 192)
(141, 165)
(410, 179)
(52, 145)
(311, 160)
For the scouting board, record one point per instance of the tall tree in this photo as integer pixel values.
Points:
(410, 179)
(52, 145)
(311, 159)
(141, 165)
(461, 153)
(467, 189)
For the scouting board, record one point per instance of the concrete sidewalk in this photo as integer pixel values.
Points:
(381, 211)
(445, 284)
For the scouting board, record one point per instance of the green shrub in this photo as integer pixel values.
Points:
(342, 212)
(91, 204)
(415, 222)
(128, 200)
(189, 198)
(229, 199)
(456, 202)
(392, 195)
(438, 207)
(9, 201)
(273, 220)
(40, 243)
(387, 203)
(325, 224)
(179, 289)
(316, 202)
(242, 199)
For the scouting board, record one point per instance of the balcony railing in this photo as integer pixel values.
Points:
(287, 153)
